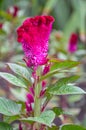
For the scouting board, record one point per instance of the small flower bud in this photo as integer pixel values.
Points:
(73, 41)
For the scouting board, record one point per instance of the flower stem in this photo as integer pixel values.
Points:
(37, 102)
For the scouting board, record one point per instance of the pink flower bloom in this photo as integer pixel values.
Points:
(42, 93)
(29, 101)
(30, 98)
(13, 10)
(73, 41)
(28, 107)
(46, 69)
(34, 35)
(32, 90)
(44, 84)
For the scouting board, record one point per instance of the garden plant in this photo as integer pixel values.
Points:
(35, 75)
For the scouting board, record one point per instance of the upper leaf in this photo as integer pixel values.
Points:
(67, 80)
(9, 107)
(63, 64)
(62, 87)
(66, 89)
(58, 66)
(20, 70)
(45, 118)
(13, 79)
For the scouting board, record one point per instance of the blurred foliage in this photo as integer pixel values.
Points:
(70, 16)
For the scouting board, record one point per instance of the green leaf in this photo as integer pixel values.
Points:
(5, 126)
(58, 66)
(66, 89)
(58, 111)
(19, 93)
(10, 119)
(45, 118)
(62, 87)
(63, 64)
(9, 107)
(53, 128)
(64, 81)
(71, 127)
(67, 80)
(20, 70)
(13, 79)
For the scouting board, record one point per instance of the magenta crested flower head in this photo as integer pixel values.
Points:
(73, 41)
(33, 34)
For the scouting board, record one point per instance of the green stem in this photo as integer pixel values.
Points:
(37, 102)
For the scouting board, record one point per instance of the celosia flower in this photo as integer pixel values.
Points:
(46, 69)
(44, 84)
(73, 41)
(43, 88)
(30, 98)
(29, 101)
(13, 10)
(42, 93)
(32, 90)
(33, 34)
(28, 107)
